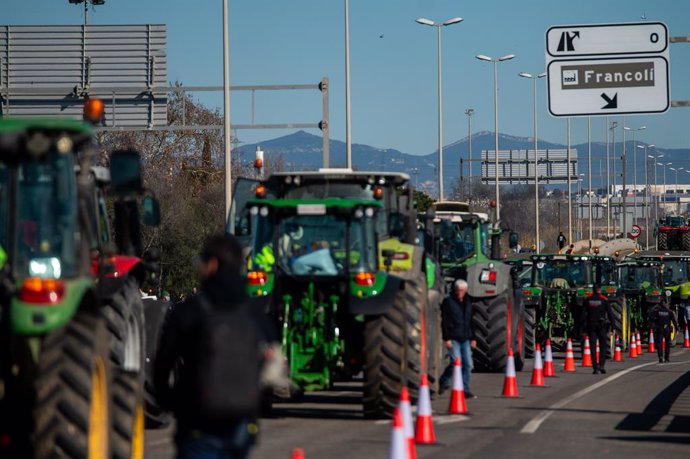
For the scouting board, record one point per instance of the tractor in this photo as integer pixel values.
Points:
(673, 233)
(642, 284)
(405, 316)
(468, 246)
(71, 336)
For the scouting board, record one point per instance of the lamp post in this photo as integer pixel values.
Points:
(86, 7)
(656, 187)
(579, 205)
(469, 112)
(626, 128)
(534, 79)
(429, 22)
(226, 112)
(664, 189)
(570, 193)
(612, 127)
(646, 190)
(507, 57)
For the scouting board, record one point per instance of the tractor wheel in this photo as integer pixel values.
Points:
(662, 242)
(415, 296)
(72, 408)
(686, 241)
(490, 321)
(529, 331)
(435, 348)
(392, 351)
(128, 417)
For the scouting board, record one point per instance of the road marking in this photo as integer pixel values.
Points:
(450, 419)
(533, 425)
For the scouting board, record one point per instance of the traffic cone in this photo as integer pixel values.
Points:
(598, 353)
(548, 361)
(510, 384)
(587, 354)
(457, 396)
(569, 357)
(424, 432)
(639, 343)
(618, 355)
(297, 453)
(633, 348)
(663, 344)
(686, 341)
(398, 448)
(408, 426)
(651, 347)
(538, 372)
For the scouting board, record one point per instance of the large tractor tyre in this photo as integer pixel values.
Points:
(530, 331)
(73, 380)
(662, 241)
(490, 321)
(128, 416)
(686, 241)
(621, 323)
(386, 350)
(414, 297)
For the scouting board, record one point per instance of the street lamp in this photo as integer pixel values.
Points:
(646, 190)
(469, 112)
(348, 131)
(534, 79)
(626, 128)
(429, 22)
(656, 187)
(507, 57)
(86, 6)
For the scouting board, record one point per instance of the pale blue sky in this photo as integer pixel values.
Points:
(394, 77)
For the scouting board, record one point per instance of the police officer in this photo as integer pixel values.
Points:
(661, 318)
(596, 311)
(560, 240)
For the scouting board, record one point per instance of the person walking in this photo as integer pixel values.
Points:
(210, 357)
(560, 240)
(661, 318)
(458, 335)
(598, 319)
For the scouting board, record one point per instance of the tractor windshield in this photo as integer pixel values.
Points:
(634, 277)
(675, 272)
(316, 245)
(45, 242)
(458, 240)
(605, 273)
(560, 274)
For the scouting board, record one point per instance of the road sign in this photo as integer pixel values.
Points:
(607, 39)
(635, 232)
(608, 69)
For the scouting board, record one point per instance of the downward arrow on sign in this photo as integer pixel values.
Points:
(610, 102)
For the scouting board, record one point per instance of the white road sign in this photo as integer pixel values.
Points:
(608, 69)
(607, 39)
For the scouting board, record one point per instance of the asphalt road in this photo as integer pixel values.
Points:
(640, 408)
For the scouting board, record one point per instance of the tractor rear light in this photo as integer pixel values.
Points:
(401, 256)
(365, 279)
(94, 109)
(488, 277)
(378, 192)
(527, 292)
(260, 191)
(611, 289)
(257, 277)
(42, 291)
(656, 292)
(589, 294)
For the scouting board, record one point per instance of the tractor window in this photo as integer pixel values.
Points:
(634, 277)
(457, 241)
(4, 201)
(605, 273)
(560, 274)
(46, 218)
(675, 272)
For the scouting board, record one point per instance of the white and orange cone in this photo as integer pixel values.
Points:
(548, 361)
(686, 341)
(569, 357)
(297, 453)
(424, 431)
(587, 354)
(651, 346)
(639, 343)
(408, 425)
(510, 388)
(633, 348)
(618, 355)
(538, 372)
(457, 396)
(597, 354)
(398, 446)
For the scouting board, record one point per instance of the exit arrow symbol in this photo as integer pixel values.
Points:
(610, 102)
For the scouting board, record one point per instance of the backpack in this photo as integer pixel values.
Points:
(227, 363)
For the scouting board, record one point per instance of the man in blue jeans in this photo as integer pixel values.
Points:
(456, 323)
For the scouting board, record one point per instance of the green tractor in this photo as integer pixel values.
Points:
(468, 248)
(642, 284)
(71, 372)
(390, 332)
(673, 233)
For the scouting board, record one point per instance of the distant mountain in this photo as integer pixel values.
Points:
(303, 151)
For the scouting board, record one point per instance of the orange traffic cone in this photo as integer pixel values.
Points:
(548, 361)
(587, 354)
(538, 372)
(633, 348)
(424, 432)
(663, 344)
(408, 426)
(651, 347)
(598, 353)
(457, 396)
(618, 355)
(686, 341)
(639, 343)
(398, 448)
(297, 453)
(510, 384)
(569, 357)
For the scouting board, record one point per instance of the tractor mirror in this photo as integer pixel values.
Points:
(152, 211)
(125, 172)
(513, 239)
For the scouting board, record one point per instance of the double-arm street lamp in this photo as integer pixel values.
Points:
(641, 128)
(469, 112)
(534, 79)
(507, 57)
(439, 25)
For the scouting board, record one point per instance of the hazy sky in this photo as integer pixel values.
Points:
(393, 60)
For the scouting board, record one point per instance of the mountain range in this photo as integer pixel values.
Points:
(303, 151)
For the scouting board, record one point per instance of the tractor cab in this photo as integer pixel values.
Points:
(642, 284)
